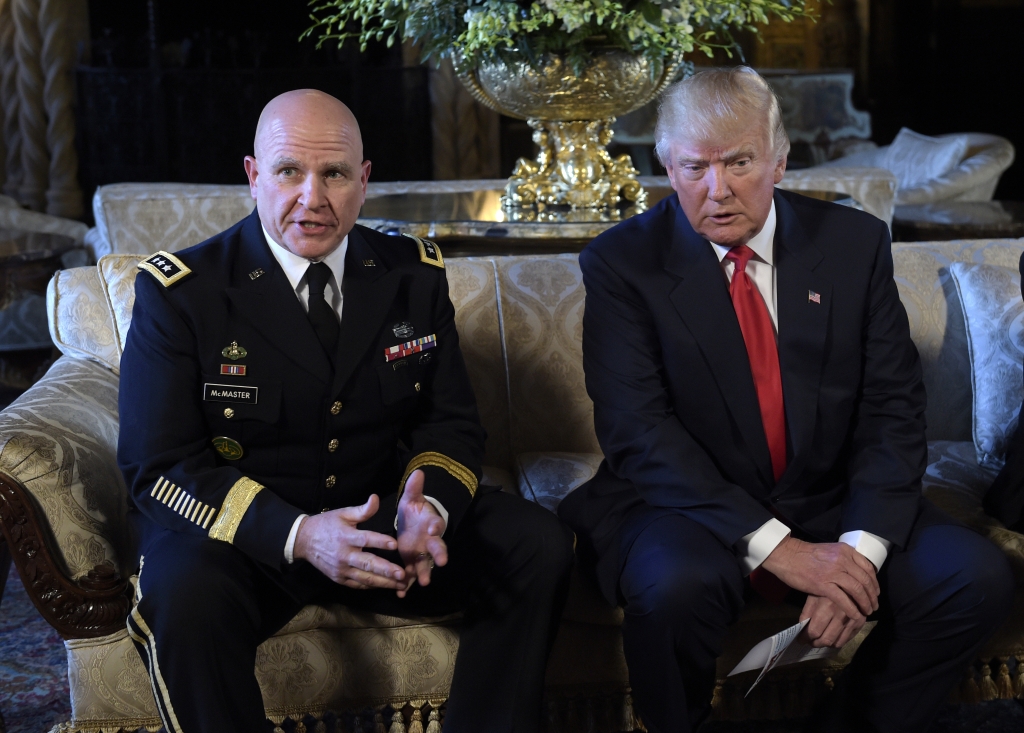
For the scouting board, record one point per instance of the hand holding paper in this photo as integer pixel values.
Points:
(780, 649)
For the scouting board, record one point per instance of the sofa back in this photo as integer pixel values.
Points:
(520, 325)
(142, 218)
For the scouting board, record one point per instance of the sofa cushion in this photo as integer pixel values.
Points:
(541, 300)
(547, 478)
(81, 324)
(472, 287)
(917, 158)
(994, 315)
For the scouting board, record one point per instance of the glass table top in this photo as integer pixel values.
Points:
(480, 214)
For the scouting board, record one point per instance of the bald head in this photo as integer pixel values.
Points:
(308, 175)
(310, 110)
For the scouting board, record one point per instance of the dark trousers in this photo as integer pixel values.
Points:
(942, 597)
(206, 606)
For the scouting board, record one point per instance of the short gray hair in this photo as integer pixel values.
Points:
(718, 102)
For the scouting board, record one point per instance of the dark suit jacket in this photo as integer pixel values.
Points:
(415, 409)
(674, 403)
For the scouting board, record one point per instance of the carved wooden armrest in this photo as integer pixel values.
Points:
(94, 605)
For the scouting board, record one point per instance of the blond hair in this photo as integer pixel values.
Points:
(715, 104)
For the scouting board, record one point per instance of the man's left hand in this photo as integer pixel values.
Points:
(829, 625)
(419, 534)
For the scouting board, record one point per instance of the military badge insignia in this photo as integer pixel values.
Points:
(235, 370)
(369, 263)
(409, 348)
(234, 352)
(430, 253)
(165, 267)
(403, 330)
(229, 449)
(425, 358)
(256, 273)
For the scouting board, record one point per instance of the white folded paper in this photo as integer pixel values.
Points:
(778, 650)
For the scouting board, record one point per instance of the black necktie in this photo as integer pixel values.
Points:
(321, 315)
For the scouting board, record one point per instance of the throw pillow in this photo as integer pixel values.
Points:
(917, 159)
(994, 316)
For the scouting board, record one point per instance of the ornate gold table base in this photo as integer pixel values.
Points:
(573, 168)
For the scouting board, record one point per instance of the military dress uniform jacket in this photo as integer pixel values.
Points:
(234, 420)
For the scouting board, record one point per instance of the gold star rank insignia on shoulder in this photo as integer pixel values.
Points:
(165, 267)
(430, 253)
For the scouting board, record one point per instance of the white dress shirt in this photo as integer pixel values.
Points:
(755, 547)
(295, 268)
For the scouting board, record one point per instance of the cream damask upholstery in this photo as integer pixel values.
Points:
(133, 218)
(519, 320)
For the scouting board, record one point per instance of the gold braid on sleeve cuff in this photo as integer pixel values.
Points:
(239, 498)
(456, 469)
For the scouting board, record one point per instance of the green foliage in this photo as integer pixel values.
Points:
(518, 30)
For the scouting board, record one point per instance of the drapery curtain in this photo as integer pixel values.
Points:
(41, 42)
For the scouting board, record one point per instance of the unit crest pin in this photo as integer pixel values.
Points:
(234, 352)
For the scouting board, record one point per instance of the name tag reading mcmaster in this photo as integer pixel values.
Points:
(229, 393)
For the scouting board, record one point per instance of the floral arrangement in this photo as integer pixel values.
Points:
(524, 30)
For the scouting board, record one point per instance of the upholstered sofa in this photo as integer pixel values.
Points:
(62, 507)
(974, 178)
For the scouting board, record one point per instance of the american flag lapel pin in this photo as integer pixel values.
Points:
(813, 297)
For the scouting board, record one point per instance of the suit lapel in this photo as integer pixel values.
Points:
(702, 300)
(269, 303)
(369, 293)
(803, 327)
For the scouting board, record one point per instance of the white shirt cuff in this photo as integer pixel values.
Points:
(440, 510)
(755, 547)
(289, 545)
(871, 546)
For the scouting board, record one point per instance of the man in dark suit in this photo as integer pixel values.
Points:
(760, 407)
(297, 426)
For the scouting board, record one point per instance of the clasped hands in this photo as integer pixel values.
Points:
(335, 546)
(840, 583)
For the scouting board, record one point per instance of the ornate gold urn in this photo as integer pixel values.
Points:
(572, 119)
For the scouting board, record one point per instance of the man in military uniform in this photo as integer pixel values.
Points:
(297, 426)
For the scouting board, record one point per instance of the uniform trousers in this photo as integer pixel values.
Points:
(942, 597)
(205, 606)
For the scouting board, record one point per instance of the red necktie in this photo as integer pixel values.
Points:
(759, 337)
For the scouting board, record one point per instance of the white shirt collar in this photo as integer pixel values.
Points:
(295, 267)
(763, 243)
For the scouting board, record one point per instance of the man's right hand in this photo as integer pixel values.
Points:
(334, 546)
(831, 570)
